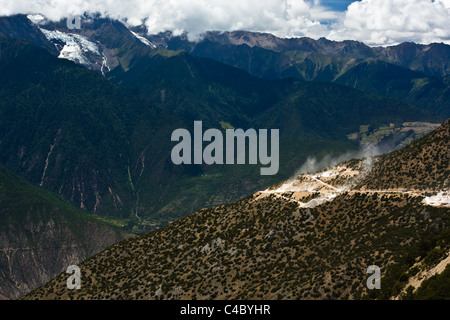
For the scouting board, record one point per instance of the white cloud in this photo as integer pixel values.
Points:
(281, 17)
(375, 22)
(387, 22)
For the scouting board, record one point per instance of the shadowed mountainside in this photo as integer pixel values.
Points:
(41, 235)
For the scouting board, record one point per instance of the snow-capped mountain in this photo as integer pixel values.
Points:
(143, 40)
(96, 45)
(77, 48)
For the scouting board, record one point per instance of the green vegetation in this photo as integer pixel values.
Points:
(107, 149)
(435, 288)
(385, 79)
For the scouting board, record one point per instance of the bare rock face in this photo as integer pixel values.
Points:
(40, 236)
(24, 266)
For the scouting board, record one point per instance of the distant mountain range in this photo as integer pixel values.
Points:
(410, 72)
(432, 59)
(311, 237)
(416, 74)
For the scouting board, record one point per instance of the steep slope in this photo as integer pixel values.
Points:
(59, 125)
(432, 59)
(41, 235)
(70, 130)
(423, 164)
(21, 28)
(273, 246)
(434, 288)
(385, 79)
(114, 42)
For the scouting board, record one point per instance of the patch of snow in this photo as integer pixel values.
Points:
(76, 47)
(143, 40)
(36, 18)
(105, 65)
(441, 199)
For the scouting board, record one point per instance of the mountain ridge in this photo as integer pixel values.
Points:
(407, 54)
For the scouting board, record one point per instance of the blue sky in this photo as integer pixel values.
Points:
(336, 5)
